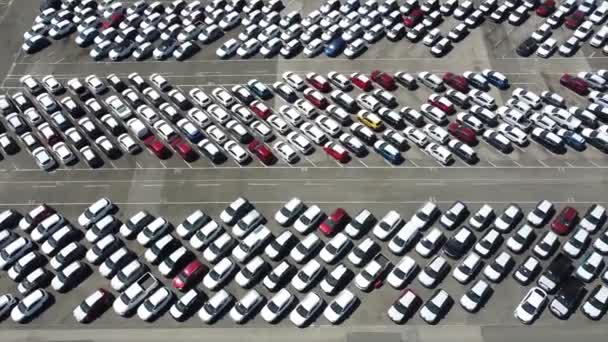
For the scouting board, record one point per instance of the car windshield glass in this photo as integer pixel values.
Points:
(527, 307)
(432, 307)
(149, 306)
(473, 296)
(302, 311)
(331, 249)
(273, 307)
(336, 308)
(242, 309)
(399, 273)
(210, 309)
(304, 277)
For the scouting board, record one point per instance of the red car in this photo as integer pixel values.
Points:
(573, 21)
(183, 149)
(462, 133)
(261, 151)
(318, 82)
(260, 109)
(192, 273)
(337, 152)
(442, 103)
(334, 222)
(316, 98)
(414, 18)
(546, 8)
(157, 147)
(563, 223)
(361, 81)
(577, 85)
(457, 82)
(385, 80)
(115, 19)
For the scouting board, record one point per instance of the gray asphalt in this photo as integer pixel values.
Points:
(174, 189)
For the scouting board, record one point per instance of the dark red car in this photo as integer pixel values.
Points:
(462, 133)
(577, 85)
(192, 273)
(563, 223)
(316, 98)
(442, 103)
(546, 8)
(318, 82)
(183, 149)
(361, 81)
(337, 152)
(115, 19)
(385, 80)
(260, 109)
(261, 151)
(334, 222)
(157, 147)
(414, 18)
(573, 21)
(456, 81)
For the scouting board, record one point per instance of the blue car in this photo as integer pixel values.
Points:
(388, 152)
(335, 47)
(497, 79)
(572, 139)
(259, 89)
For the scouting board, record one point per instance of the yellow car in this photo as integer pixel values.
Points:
(370, 120)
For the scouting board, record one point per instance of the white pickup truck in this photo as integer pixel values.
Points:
(135, 294)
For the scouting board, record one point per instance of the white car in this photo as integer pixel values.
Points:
(531, 305)
(307, 248)
(509, 218)
(306, 310)
(154, 304)
(513, 133)
(391, 222)
(246, 306)
(309, 219)
(153, 231)
(499, 268)
(215, 305)
(433, 272)
(95, 212)
(435, 307)
(588, 270)
(546, 245)
(597, 303)
(30, 305)
(219, 274)
(335, 248)
(577, 243)
(307, 275)
(343, 303)
(185, 304)
(252, 243)
(521, 239)
(253, 270)
(277, 306)
(476, 296)
(402, 272)
(279, 276)
(220, 246)
(547, 48)
(430, 243)
(527, 271)
(594, 218)
(69, 276)
(467, 268)
(454, 215)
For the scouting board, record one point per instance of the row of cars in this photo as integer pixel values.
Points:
(585, 19)
(119, 31)
(335, 28)
(141, 292)
(238, 123)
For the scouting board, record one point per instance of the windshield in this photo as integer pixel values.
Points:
(302, 311)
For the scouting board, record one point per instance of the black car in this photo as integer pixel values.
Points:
(363, 133)
(459, 243)
(9, 219)
(492, 139)
(211, 151)
(548, 139)
(567, 298)
(243, 94)
(285, 92)
(527, 47)
(74, 109)
(46, 4)
(559, 270)
(35, 44)
(116, 83)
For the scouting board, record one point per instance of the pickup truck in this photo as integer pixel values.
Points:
(135, 294)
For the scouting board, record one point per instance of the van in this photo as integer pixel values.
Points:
(515, 118)
(404, 239)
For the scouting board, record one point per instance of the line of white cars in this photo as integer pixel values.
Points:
(143, 291)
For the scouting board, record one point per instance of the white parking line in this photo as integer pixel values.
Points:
(490, 162)
(516, 163)
(412, 162)
(543, 163)
(138, 165)
(594, 163)
(163, 164)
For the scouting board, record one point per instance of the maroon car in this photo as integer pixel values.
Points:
(462, 133)
(563, 223)
(385, 80)
(334, 222)
(576, 84)
(456, 81)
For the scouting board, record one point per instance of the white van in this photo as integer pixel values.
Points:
(404, 239)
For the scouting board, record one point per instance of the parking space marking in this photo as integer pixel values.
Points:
(516, 163)
(97, 185)
(594, 163)
(163, 164)
(542, 162)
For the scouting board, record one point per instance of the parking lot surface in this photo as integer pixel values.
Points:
(173, 188)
